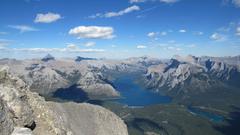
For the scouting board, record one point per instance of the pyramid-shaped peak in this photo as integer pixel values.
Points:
(48, 57)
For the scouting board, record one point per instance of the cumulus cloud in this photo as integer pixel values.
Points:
(47, 18)
(182, 31)
(90, 44)
(115, 14)
(141, 47)
(23, 28)
(151, 34)
(238, 31)
(217, 37)
(94, 32)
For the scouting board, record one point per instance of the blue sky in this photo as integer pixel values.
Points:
(119, 29)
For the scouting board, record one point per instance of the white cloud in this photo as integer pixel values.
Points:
(182, 31)
(141, 47)
(238, 31)
(47, 18)
(90, 44)
(155, 34)
(236, 2)
(23, 28)
(151, 34)
(93, 32)
(217, 37)
(114, 14)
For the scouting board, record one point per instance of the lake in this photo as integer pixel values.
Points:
(133, 94)
(211, 116)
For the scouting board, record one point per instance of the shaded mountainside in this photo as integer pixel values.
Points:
(25, 112)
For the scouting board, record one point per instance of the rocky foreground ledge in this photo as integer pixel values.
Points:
(23, 112)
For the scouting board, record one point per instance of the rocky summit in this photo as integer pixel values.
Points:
(26, 113)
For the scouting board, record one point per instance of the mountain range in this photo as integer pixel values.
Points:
(211, 81)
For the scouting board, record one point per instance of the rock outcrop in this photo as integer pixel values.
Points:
(23, 112)
(6, 123)
(87, 119)
(13, 93)
(24, 109)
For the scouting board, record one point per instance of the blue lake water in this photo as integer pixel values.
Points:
(211, 116)
(135, 95)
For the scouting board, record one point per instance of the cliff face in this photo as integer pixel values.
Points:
(25, 112)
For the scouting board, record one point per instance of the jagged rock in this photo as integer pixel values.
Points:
(22, 131)
(12, 91)
(6, 123)
(26, 109)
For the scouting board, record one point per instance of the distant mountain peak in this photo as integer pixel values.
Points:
(48, 57)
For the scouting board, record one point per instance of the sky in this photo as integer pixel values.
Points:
(119, 28)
